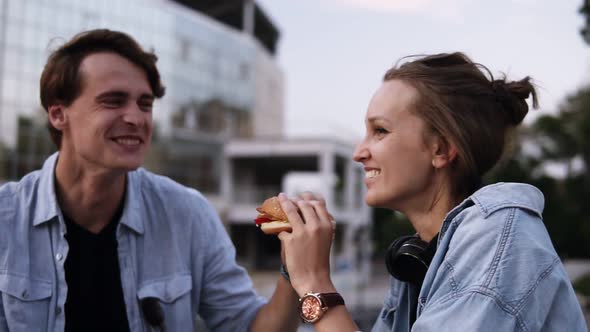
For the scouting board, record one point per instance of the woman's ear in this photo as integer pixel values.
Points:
(57, 116)
(443, 152)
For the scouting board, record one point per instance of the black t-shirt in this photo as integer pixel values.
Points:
(95, 298)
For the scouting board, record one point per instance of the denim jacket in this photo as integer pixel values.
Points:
(171, 246)
(495, 269)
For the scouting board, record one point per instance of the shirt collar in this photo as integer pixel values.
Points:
(502, 195)
(498, 196)
(49, 209)
(133, 211)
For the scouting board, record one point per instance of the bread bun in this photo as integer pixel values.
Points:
(272, 219)
(275, 227)
(272, 207)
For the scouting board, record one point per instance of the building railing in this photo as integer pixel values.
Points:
(253, 195)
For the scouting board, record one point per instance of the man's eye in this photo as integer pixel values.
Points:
(146, 106)
(113, 102)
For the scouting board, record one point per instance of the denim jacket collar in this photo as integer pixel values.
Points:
(49, 210)
(497, 196)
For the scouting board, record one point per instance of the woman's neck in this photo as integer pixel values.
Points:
(428, 216)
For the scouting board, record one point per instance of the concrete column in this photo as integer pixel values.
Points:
(349, 202)
(326, 169)
(3, 23)
(227, 179)
(249, 12)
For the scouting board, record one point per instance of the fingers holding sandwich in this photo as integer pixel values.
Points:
(319, 205)
(291, 211)
(307, 247)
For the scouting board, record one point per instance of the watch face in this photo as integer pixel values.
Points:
(311, 308)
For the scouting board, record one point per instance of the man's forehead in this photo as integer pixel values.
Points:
(106, 63)
(109, 68)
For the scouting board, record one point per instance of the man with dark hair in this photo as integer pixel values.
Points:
(92, 242)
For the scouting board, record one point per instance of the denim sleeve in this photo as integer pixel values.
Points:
(473, 311)
(553, 305)
(3, 324)
(228, 300)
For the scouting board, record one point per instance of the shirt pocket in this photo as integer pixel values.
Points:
(25, 301)
(172, 295)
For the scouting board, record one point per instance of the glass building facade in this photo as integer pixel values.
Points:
(211, 72)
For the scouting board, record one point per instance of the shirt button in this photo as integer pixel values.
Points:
(25, 294)
(58, 311)
(59, 257)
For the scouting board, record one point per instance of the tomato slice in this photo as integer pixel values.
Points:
(261, 220)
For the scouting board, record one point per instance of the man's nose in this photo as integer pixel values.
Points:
(134, 115)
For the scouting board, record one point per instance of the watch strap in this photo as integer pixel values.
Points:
(332, 299)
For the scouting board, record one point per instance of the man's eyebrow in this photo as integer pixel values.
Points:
(147, 96)
(123, 94)
(111, 94)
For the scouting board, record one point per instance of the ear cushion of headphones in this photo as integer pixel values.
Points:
(405, 259)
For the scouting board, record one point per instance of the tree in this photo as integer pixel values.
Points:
(585, 10)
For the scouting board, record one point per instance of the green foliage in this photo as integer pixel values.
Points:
(387, 227)
(585, 10)
(582, 285)
(563, 138)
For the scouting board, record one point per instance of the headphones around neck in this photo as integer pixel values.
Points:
(408, 258)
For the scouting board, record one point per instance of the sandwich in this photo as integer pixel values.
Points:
(271, 218)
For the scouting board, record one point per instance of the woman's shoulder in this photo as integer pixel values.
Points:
(499, 243)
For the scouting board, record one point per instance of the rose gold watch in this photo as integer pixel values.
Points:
(312, 306)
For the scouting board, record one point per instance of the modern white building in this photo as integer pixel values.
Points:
(216, 59)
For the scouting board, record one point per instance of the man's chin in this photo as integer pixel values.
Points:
(127, 165)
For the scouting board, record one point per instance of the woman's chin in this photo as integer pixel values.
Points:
(373, 201)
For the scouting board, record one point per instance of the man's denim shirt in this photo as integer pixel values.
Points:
(171, 244)
(495, 269)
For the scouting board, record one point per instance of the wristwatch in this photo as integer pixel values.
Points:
(312, 306)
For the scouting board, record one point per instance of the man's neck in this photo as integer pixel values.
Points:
(90, 197)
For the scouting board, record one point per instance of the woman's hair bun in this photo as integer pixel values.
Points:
(513, 96)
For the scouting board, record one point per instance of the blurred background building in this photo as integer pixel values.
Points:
(219, 128)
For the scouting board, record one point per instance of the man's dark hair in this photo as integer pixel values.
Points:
(61, 80)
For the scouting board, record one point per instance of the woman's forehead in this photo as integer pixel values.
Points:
(392, 99)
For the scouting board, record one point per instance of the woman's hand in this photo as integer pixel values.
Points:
(307, 248)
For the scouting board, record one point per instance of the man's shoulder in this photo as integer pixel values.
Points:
(13, 191)
(155, 186)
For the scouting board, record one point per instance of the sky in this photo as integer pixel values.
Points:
(334, 52)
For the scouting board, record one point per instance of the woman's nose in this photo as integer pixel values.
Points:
(361, 153)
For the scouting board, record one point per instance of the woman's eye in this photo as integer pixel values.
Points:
(380, 131)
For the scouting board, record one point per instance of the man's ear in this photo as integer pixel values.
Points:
(443, 152)
(57, 116)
